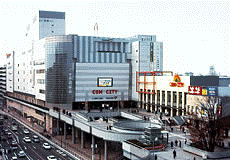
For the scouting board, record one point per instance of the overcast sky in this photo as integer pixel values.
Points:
(195, 34)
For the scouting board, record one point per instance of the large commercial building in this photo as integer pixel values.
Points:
(68, 72)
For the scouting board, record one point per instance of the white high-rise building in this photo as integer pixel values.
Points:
(147, 55)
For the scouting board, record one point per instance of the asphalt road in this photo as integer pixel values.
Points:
(33, 150)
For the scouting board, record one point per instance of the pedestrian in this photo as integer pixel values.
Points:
(185, 141)
(194, 158)
(174, 154)
(179, 143)
(176, 142)
(171, 144)
(155, 157)
(183, 129)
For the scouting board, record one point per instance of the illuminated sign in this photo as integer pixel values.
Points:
(194, 90)
(104, 82)
(176, 82)
(212, 91)
(8, 55)
(204, 91)
(106, 91)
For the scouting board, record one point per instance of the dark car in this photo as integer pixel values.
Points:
(3, 138)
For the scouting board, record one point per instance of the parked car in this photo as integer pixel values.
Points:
(46, 146)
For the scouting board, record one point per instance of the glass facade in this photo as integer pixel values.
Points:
(59, 67)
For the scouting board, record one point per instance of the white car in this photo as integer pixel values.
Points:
(51, 157)
(21, 154)
(27, 139)
(14, 158)
(46, 146)
(61, 153)
(26, 131)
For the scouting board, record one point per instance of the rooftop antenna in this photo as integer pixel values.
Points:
(95, 29)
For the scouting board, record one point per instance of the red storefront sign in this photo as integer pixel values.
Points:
(194, 90)
(105, 91)
(176, 82)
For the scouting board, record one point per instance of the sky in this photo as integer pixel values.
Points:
(195, 34)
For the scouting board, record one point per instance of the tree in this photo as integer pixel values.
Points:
(206, 129)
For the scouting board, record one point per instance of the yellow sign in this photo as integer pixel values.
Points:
(204, 92)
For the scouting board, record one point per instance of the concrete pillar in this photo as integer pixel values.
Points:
(177, 103)
(58, 130)
(64, 130)
(76, 133)
(44, 122)
(166, 101)
(183, 104)
(167, 138)
(161, 101)
(73, 132)
(156, 109)
(93, 147)
(171, 114)
(106, 151)
(82, 139)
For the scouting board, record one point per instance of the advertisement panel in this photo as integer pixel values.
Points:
(212, 91)
(204, 92)
(104, 81)
(194, 90)
(151, 51)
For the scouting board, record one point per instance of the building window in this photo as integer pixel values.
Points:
(40, 71)
(42, 91)
(41, 81)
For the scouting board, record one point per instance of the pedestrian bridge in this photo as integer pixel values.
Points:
(108, 125)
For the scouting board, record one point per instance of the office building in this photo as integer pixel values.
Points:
(2, 86)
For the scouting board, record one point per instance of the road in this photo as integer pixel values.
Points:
(33, 150)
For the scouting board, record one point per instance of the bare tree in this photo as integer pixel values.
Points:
(206, 129)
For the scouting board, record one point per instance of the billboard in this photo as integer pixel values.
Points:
(212, 91)
(104, 81)
(194, 90)
(151, 51)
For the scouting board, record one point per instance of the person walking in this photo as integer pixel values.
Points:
(185, 141)
(171, 144)
(174, 154)
(155, 157)
(179, 143)
(176, 142)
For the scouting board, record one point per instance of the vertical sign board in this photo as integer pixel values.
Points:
(151, 51)
(212, 91)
